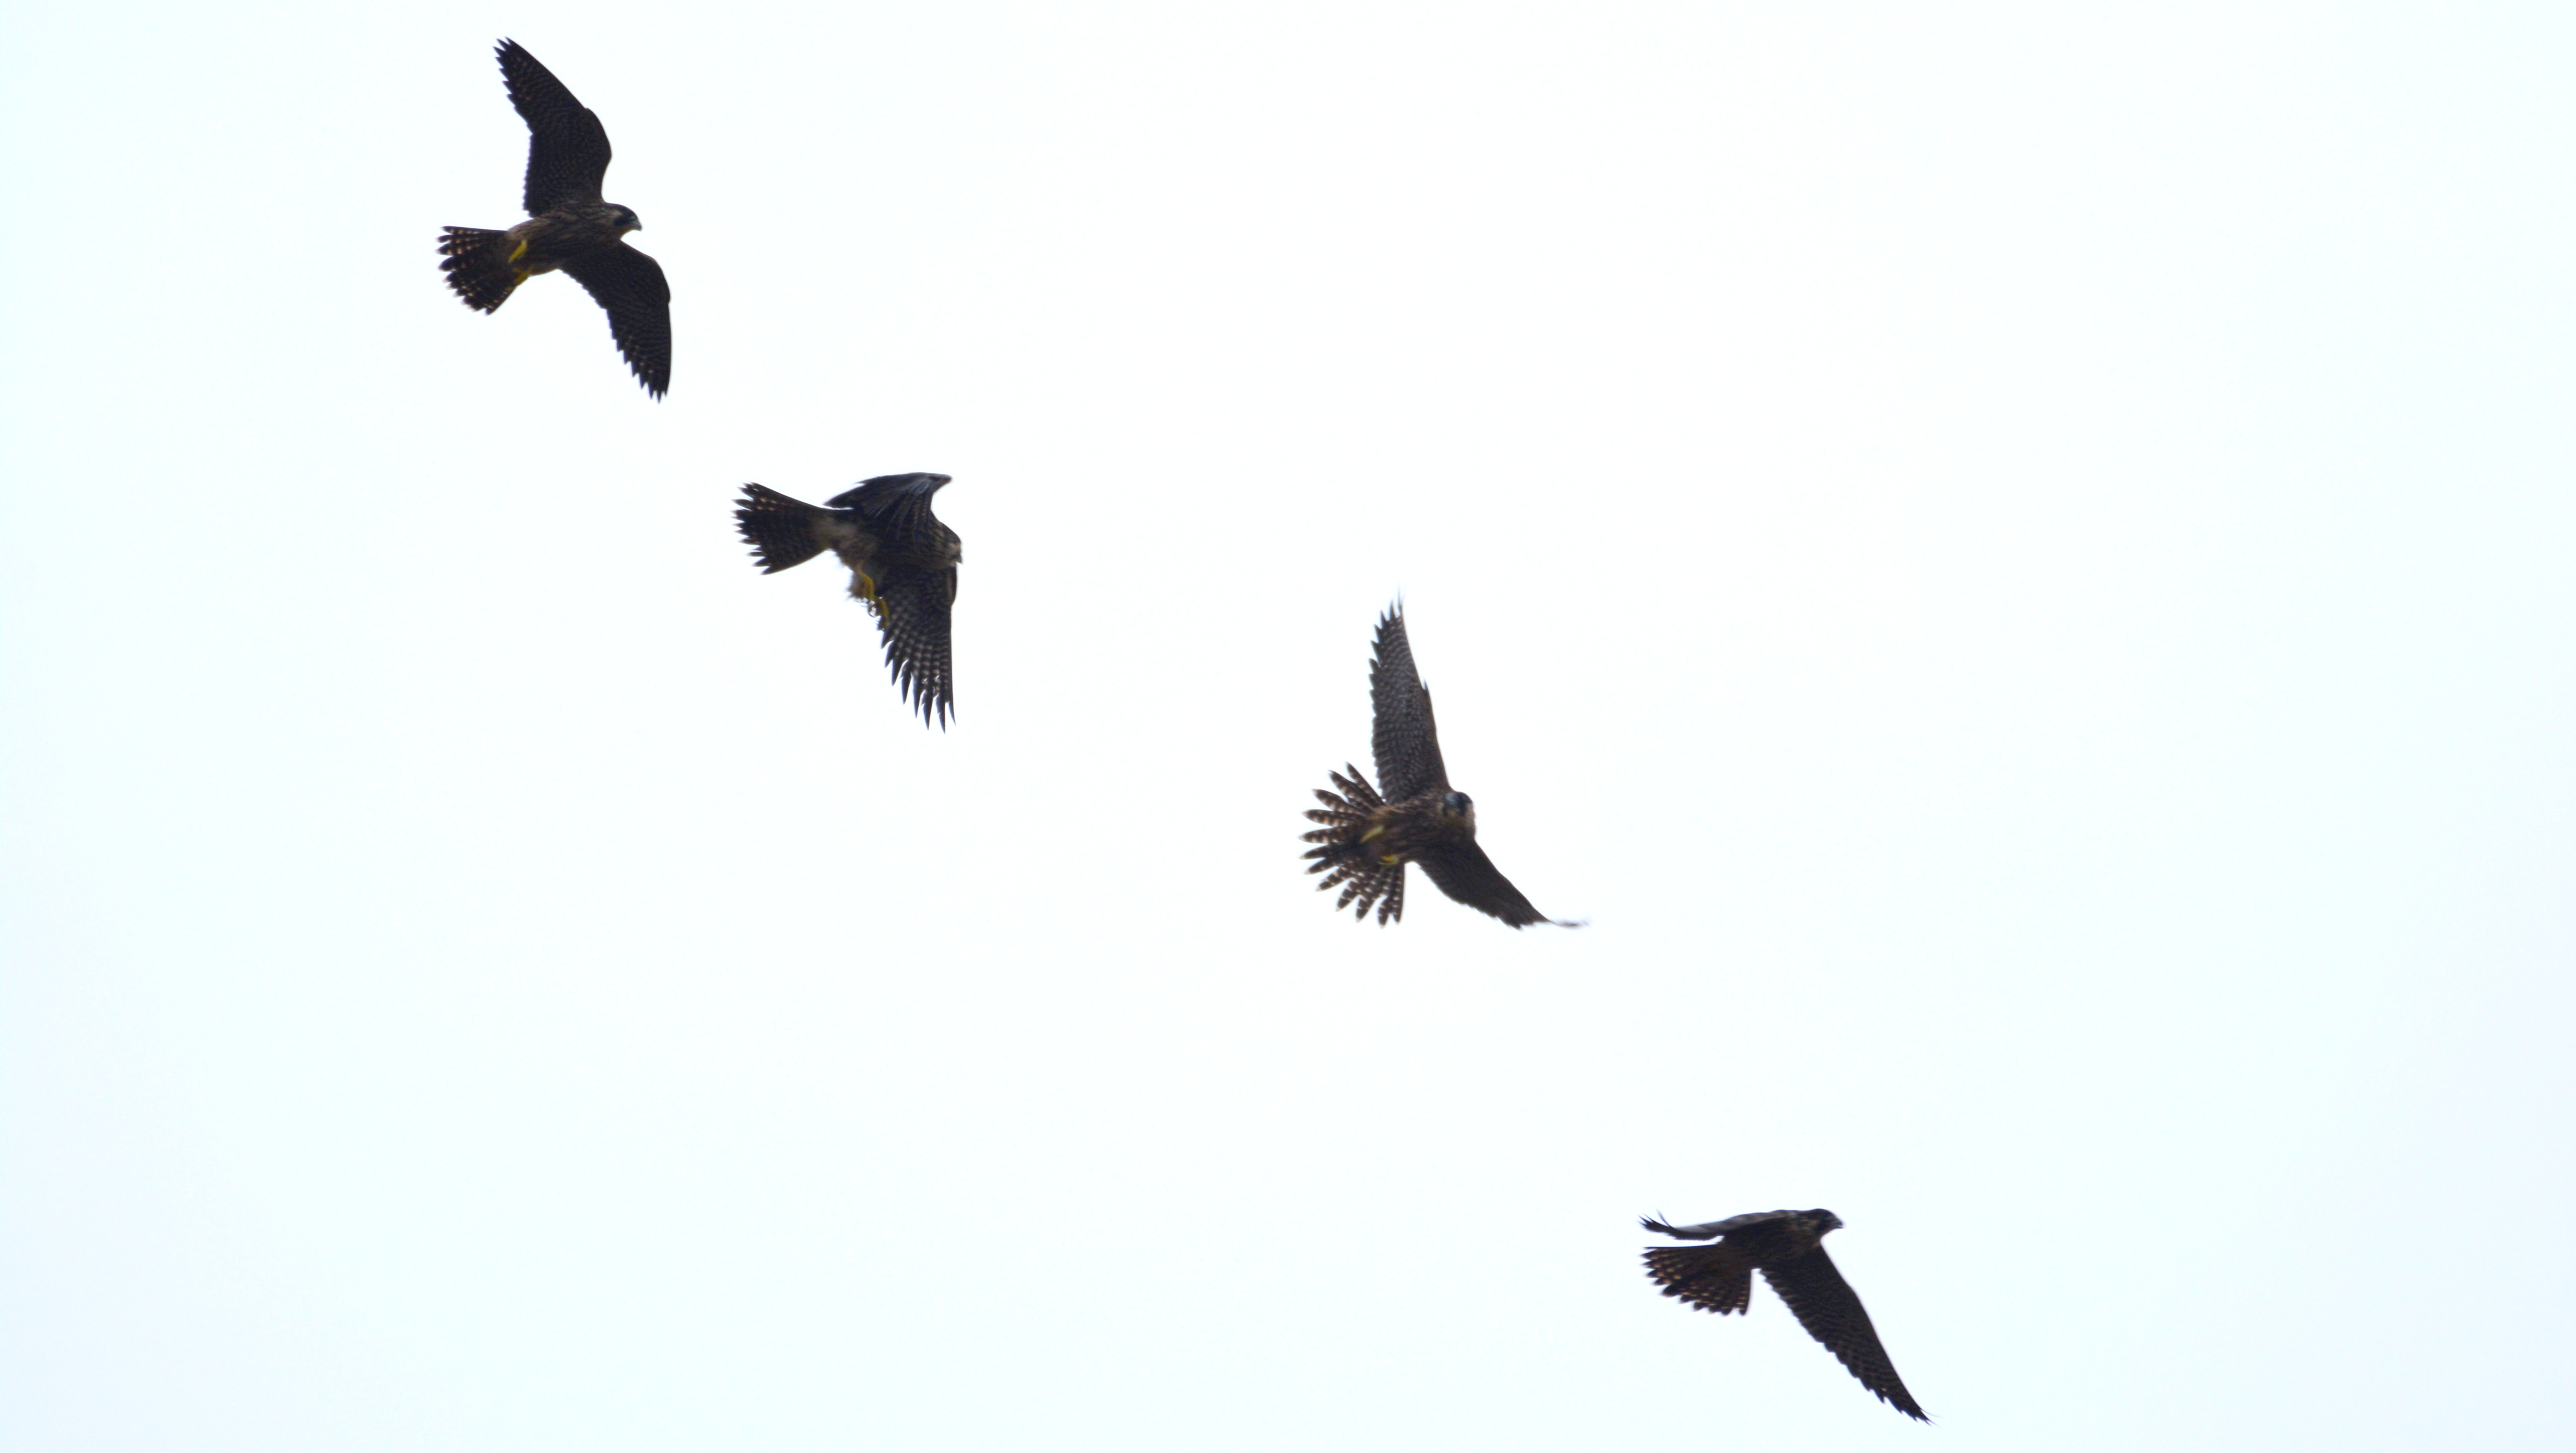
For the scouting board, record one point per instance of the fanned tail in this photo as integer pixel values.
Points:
(1363, 877)
(779, 530)
(478, 266)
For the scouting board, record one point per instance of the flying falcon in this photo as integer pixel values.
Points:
(1787, 1247)
(568, 226)
(1413, 816)
(903, 566)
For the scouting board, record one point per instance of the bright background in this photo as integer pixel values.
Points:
(2012, 559)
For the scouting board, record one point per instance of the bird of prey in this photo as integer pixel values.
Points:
(1413, 815)
(1787, 1247)
(903, 566)
(568, 226)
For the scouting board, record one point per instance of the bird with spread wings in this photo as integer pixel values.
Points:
(1787, 1247)
(1413, 815)
(568, 228)
(903, 567)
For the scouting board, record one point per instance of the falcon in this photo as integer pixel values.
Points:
(1787, 1247)
(568, 227)
(903, 567)
(1413, 815)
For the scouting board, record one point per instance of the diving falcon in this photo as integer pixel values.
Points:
(1787, 1247)
(903, 567)
(1413, 815)
(568, 226)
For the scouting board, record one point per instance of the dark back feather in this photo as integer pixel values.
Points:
(1405, 739)
(567, 147)
(912, 619)
(1461, 870)
(1831, 1312)
(629, 286)
(897, 508)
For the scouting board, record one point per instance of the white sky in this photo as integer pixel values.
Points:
(2012, 559)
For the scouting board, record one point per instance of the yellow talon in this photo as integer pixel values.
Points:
(1372, 832)
(1390, 860)
(519, 251)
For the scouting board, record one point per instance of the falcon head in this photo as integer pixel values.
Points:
(1824, 1220)
(1460, 805)
(627, 221)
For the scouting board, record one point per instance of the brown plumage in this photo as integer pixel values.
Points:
(568, 228)
(1787, 1247)
(1412, 815)
(903, 567)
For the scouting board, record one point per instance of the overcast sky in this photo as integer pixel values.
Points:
(2012, 560)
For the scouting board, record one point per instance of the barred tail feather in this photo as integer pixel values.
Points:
(1361, 876)
(1344, 817)
(1358, 801)
(478, 266)
(779, 530)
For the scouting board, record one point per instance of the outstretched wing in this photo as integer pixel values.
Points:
(912, 616)
(1461, 870)
(567, 147)
(1708, 1230)
(1831, 1312)
(629, 285)
(1712, 1278)
(1404, 737)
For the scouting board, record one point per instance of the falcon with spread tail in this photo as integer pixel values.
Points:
(568, 227)
(1413, 815)
(1787, 1247)
(903, 567)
